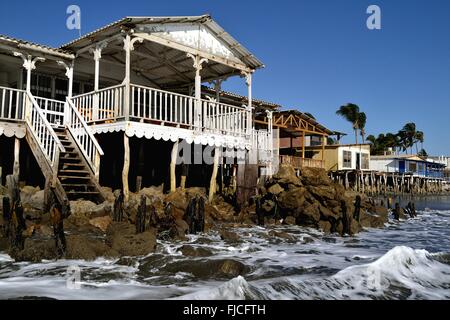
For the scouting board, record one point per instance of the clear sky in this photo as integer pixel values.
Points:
(318, 54)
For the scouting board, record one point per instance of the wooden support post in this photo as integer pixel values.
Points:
(173, 163)
(323, 148)
(213, 183)
(184, 173)
(303, 144)
(126, 167)
(16, 169)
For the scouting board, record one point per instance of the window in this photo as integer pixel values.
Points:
(365, 161)
(413, 167)
(347, 159)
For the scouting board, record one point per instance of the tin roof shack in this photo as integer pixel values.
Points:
(294, 132)
(343, 157)
(411, 165)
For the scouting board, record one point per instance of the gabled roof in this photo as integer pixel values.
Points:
(27, 45)
(303, 116)
(240, 51)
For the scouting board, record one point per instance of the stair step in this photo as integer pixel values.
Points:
(82, 192)
(74, 177)
(73, 171)
(80, 165)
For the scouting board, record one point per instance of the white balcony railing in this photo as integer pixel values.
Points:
(52, 109)
(12, 104)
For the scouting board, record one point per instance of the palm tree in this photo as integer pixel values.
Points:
(408, 136)
(362, 119)
(350, 112)
(420, 137)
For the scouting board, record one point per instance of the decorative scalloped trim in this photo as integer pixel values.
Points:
(12, 131)
(149, 131)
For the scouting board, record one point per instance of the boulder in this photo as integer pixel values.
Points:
(190, 251)
(314, 177)
(286, 175)
(276, 189)
(229, 236)
(289, 220)
(101, 222)
(309, 215)
(325, 226)
(282, 235)
(322, 193)
(122, 238)
(207, 269)
(36, 201)
(108, 194)
(292, 199)
(82, 208)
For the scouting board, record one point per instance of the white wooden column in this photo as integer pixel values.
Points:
(97, 52)
(128, 46)
(29, 64)
(16, 168)
(69, 75)
(198, 62)
(248, 81)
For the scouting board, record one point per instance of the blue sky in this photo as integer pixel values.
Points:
(318, 53)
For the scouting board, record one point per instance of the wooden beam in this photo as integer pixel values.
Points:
(173, 162)
(192, 51)
(126, 167)
(213, 183)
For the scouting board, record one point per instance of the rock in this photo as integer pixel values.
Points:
(122, 238)
(276, 189)
(191, 251)
(207, 269)
(86, 248)
(286, 175)
(101, 210)
(314, 177)
(178, 199)
(325, 226)
(108, 194)
(101, 222)
(369, 220)
(82, 208)
(35, 250)
(327, 213)
(26, 193)
(44, 231)
(290, 220)
(282, 235)
(309, 215)
(322, 193)
(36, 201)
(291, 200)
(229, 236)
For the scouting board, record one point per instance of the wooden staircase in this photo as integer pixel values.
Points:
(77, 179)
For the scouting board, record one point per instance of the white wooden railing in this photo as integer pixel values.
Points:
(52, 109)
(102, 105)
(43, 132)
(162, 106)
(262, 140)
(12, 104)
(223, 118)
(83, 136)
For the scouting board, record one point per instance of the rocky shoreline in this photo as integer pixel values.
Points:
(311, 200)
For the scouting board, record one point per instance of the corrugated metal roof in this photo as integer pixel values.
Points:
(18, 43)
(241, 52)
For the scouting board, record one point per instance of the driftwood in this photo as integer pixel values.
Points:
(195, 215)
(118, 207)
(59, 212)
(146, 218)
(357, 213)
(346, 218)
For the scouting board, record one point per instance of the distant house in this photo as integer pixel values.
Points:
(409, 165)
(340, 157)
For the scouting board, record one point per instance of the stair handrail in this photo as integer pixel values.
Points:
(51, 155)
(79, 123)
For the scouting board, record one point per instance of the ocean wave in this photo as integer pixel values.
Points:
(401, 273)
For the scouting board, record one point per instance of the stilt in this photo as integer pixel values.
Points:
(16, 169)
(184, 173)
(173, 163)
(213, 183)
(138, 183)
(126, 167)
